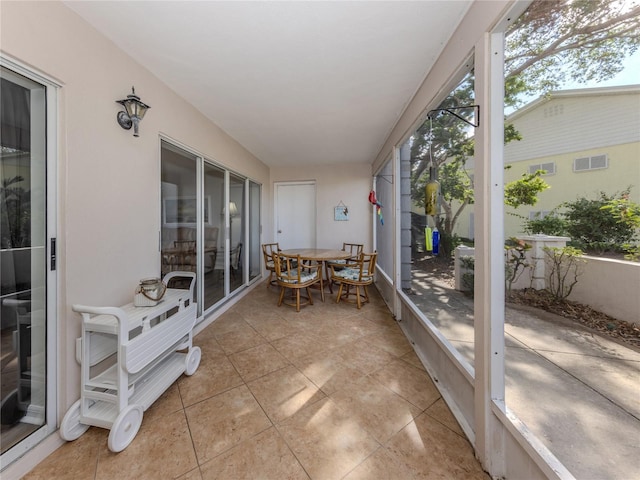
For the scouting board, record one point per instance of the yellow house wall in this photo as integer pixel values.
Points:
(567, 185)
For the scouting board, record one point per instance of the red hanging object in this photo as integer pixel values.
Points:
(374, 201)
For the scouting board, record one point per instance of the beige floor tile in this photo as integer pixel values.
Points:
(265, 456)
(380, 465)
(272, 326)
(240, 339)
(378, 315)
(228, 322)
(169, 402)
(359, 325)
(210, 347)
(391, 340)
(165, 446)
(431, 450)
(327, 441)
(211, 378)
(411, 383)
(413, 359)
(376, 408)
(284, 392)
(441, 412)
(194, 474)
(365, 357)
(222, 422)
(257, 361)
(216, 425)
(298, 345)
(328, 371)
(74, 460)
(337, 335)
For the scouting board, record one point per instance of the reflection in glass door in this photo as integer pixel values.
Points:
(254, 252)
(23, 266)
(214, 271)
(236, 231)
(179, 207)
(210, 225)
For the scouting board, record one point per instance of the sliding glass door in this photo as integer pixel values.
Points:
(27, 287)
(208, 224)
(254, 251)
(214, 267)
(237, 217)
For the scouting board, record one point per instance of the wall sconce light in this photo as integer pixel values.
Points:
(135, 111)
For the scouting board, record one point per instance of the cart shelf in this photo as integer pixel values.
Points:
(128, 357)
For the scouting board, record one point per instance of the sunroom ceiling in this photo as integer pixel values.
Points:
(296, 83)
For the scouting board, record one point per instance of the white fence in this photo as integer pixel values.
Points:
(609, 286)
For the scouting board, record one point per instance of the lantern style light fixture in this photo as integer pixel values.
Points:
(135, 111)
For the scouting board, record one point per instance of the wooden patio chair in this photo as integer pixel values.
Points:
(296, 273)
(354, 249)
(268, 249)
(354, 276)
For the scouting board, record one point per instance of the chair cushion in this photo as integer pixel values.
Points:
(353, 274)
(303, 279)
(337, 262)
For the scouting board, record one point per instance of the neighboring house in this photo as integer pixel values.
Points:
(588, 141)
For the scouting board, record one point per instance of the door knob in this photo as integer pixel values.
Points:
(279, 231)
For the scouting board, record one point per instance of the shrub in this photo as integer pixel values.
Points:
(515, 262)
(468, 264)
(594, 227)
(552, 224)
(564, 270)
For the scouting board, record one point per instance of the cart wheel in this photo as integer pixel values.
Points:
(71, 428)
(125, 428)
(192, 361)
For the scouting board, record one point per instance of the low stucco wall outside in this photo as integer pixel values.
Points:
(607, 285)
(610, 286)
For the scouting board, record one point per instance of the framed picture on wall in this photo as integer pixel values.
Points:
(341, 213)
(183, 211)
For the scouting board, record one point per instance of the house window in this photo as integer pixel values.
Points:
(549, 168)
(597, 162)
(538, 214)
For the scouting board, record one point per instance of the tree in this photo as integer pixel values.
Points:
(556, 41)
(525, 190)
(552, 42)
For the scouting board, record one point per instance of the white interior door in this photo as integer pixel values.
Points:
(295, 214)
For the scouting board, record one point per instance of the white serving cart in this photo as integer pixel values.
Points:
(129, 356)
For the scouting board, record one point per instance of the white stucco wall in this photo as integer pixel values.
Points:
(349, 184)
(109, 181)
(610, 286)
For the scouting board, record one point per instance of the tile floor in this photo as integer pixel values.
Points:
(327, 393)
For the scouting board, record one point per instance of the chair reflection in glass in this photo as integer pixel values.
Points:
(296, 273)
(235, 257)
(355, 275)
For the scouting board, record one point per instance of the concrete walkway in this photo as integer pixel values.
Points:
(577, 391)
